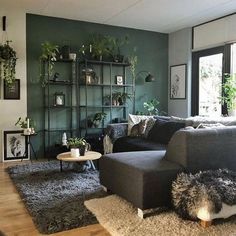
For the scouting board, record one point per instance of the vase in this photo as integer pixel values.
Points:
(75, 152)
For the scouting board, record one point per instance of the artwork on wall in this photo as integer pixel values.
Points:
(178, 81)
(59, 99)
(119, 80)
(12, 91)
(14, 145)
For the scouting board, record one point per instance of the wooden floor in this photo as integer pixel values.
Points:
(15, 219)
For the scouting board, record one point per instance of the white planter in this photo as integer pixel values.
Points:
(74, 152)
(232, 113)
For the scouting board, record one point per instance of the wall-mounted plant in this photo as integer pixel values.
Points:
(133, 60)
(7, 63)
(114, 47)
(47, 60)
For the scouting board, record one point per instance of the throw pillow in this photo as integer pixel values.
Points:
(205, 126)
(138, 129)
(135, 119)
(149, 124)
(162, 131)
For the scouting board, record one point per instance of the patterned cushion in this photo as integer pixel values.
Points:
(149, 125)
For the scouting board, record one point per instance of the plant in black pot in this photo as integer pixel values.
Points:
(114, 47)
(80, 144)
(98, 118)
(7, 63)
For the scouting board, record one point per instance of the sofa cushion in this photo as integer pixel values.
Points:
(163, 130)
(128, 144)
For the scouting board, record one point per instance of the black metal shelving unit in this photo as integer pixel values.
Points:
(53, 126)
(106, 71)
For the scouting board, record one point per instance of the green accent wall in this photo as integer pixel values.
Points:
(152, 52)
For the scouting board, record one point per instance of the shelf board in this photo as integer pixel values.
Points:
(60, 83)
(65, 60)
(60, 107)
(106, 85)
(83, 106)
(104, 63)
(60, 130)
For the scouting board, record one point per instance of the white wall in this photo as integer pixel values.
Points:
(10, 110)
(180, 43)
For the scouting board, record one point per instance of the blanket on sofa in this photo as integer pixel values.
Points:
(208, 188)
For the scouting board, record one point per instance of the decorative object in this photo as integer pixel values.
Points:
(12, 91)
(178, 81)
(98, 118)
(203, 195)
(55, 199)
(27, 124)
(229, 93)
(119, 217)
(72, 56)
(7, 63)
(64, 139)
(14, 145)
(148, 76)
(59, 99)
(46, 61)
(119, 80)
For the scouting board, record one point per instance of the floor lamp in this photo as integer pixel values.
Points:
(148, 78)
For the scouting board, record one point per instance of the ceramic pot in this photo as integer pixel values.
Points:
(75, 152)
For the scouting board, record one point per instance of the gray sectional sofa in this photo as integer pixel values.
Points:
(144, 177)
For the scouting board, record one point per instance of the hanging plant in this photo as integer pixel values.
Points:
(46, 61)
(7, 63)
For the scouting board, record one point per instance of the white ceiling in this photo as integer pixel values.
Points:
(156, 15)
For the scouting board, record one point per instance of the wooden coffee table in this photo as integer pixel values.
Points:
(89, 157)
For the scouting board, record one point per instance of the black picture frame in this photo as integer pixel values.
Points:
(119, 80)
(12, 92)
(59, 99)
(15, 145)
(178, 81)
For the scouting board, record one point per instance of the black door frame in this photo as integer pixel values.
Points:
(195, 73)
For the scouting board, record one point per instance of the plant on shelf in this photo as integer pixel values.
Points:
(229, 93)
(151, 106)
(114, 47)
(98, 118)
(27, 124)
(7, 63)
(49, 53)
(118, 98)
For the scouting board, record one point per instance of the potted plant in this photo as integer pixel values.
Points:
(114, 45)
(49, 53)
(78, 146)
(229, 93)
(151, 106)
(27, 124)
(7, 63)
(123, 98)
(98, 118)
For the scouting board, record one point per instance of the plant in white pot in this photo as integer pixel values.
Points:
(229, 94)
(77, 146)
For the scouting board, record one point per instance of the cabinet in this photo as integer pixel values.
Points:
(60, 106)
(101, 86)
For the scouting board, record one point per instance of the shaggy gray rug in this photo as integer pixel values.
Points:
(55, 199)
(119, 217)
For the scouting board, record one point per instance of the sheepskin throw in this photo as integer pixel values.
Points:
(211, 188)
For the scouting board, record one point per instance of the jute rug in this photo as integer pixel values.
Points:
(55, 199)
(120, 218)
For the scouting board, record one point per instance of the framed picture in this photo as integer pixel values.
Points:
(119, 80)
(12, 91)
(15, 145)
(178, 81)
(59, 99)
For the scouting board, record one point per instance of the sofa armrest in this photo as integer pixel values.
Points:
(115, 131)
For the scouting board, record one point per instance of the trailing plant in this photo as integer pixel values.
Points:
(229, 92)
(133, 60)
(7, 63)
(48, 56)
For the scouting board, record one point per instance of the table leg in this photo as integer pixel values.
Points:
(61, 165)
(92, 165)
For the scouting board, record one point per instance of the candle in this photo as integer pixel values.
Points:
(90, 48)
(27, 123)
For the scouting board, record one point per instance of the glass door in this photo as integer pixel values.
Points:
(207, 82)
